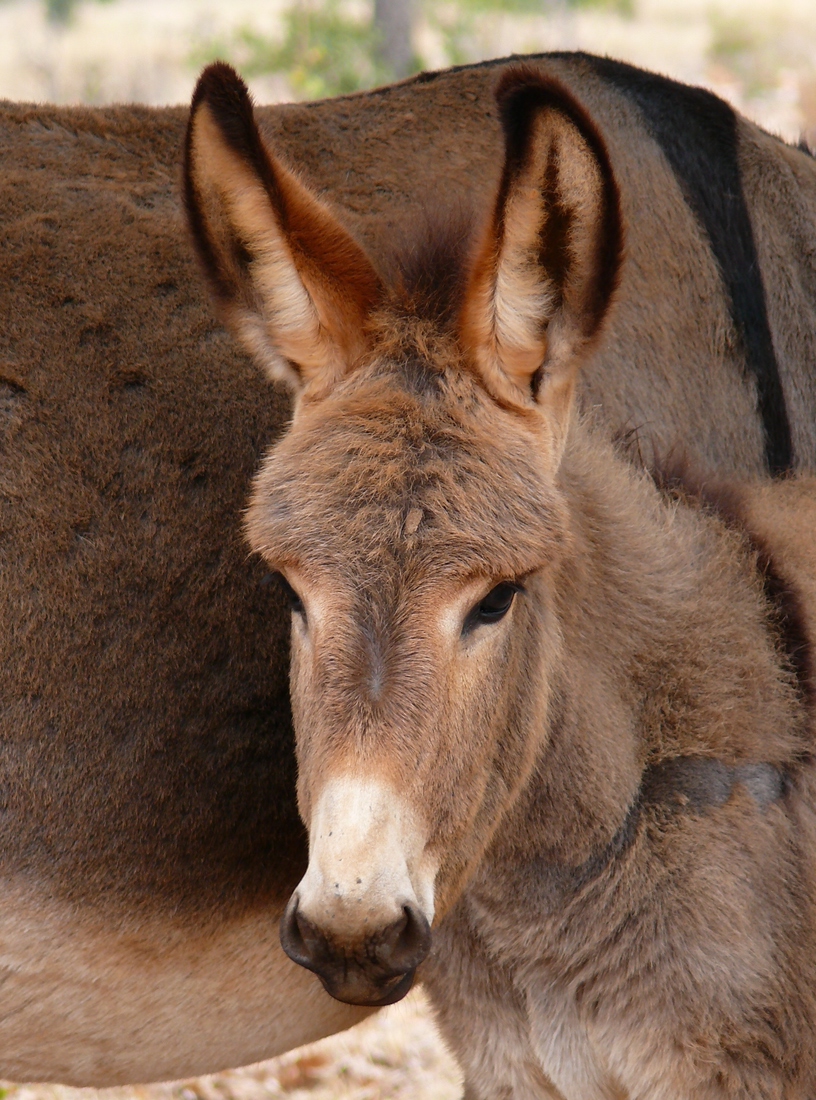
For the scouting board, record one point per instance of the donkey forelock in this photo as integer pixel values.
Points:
(406, 467)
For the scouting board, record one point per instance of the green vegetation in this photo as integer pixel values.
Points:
(323, 52)
(60, 11)
(327, 49)
(754, 51)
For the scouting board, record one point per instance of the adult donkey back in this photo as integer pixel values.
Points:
(150, 836)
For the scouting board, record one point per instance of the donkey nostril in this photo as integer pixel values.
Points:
(299, 938)
(416, 934)
(290, 935)
(369, 968)
(405, 943)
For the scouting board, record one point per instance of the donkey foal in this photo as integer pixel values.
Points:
(554, 711)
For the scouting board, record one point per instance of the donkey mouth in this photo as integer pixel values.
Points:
(356, 993)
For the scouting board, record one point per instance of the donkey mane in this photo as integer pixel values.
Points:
(427, 263)
(678, 478)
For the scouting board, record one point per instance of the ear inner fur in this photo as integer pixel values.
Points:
(548, 262)
(288, 278)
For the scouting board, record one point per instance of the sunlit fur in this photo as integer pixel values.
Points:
(644, 634)
(292, 284)
(596, 935)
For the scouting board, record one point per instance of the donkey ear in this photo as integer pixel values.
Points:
(287, 278)
(547, 265)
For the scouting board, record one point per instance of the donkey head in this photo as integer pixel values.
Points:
(413, 507)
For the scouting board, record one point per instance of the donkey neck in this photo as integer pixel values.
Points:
(670, 653)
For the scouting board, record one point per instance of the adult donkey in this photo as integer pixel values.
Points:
(149, 834)
(556, 711)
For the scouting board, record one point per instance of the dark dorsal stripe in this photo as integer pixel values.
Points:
(698, 135)
(686, 784)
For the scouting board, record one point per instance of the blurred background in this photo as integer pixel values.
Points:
(758, 54)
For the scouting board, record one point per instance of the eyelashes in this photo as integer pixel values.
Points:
(290, 595)
(493, 607)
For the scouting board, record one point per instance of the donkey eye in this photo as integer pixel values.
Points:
(494, 606)
(291, 597)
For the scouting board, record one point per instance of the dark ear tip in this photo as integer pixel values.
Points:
(221, 86)
(516, 79)
(521, 91)
(230, 105)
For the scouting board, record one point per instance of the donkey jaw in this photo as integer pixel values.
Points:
(361, 916)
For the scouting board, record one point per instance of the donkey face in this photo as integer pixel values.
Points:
(418, 645)
(413, 506)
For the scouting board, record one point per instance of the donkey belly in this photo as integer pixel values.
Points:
(86, 1004)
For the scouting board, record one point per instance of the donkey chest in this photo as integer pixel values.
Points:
(540, 1051)
(576, 1061)
(519, 1034)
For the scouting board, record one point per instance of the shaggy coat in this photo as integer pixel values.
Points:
(149, 834)
(553, 714)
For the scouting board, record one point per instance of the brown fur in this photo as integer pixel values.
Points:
(231, 195)
(603, 795)
(146, 741)
(737, 505)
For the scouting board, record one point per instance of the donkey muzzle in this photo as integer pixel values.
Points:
(376, 970)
